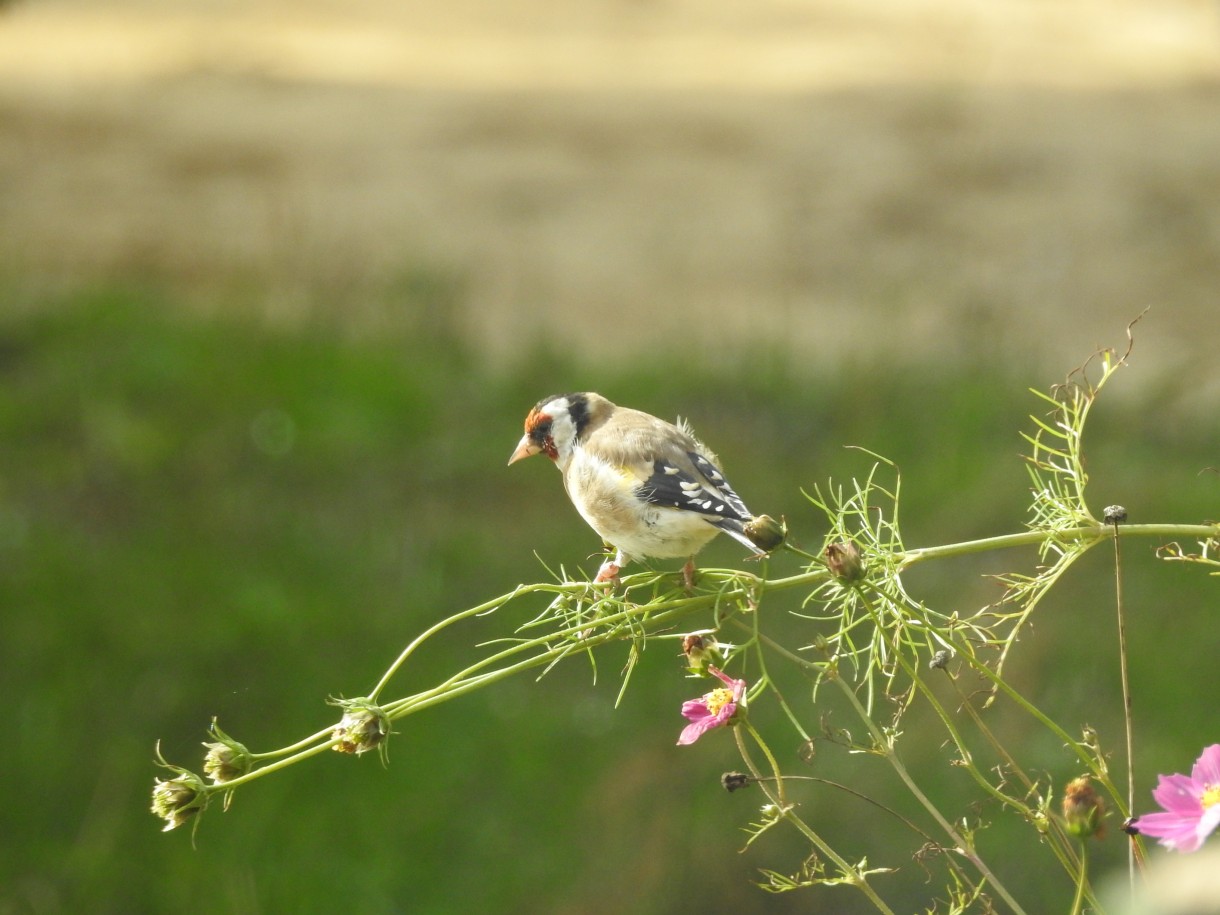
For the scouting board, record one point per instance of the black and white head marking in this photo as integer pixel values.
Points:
(556, 421)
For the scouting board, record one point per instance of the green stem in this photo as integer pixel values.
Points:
(886, 749)
(1090, 532)
(779, 696)
(883, 746)
(292, 748)
(771, 761)
(1126, 685)
(1078, 901)
(1060, 844)
(278, 764)
(1062, 851)
(850, 873)
(487, 607)
(1074, 745)
(467, 681)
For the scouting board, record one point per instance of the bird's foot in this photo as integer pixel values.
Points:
(688, 575)
(608, 572)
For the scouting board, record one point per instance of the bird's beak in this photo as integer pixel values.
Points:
(525, 448)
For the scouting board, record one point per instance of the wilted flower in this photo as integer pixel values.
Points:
(1192, 805)
(362, 728)
(712, 710)
(1084, 811)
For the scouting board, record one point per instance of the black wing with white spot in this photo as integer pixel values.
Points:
(705, 490)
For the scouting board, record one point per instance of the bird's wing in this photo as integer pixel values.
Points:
(692, 483)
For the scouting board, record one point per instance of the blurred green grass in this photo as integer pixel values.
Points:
(210, 517)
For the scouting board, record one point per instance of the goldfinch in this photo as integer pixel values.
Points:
(648, 487)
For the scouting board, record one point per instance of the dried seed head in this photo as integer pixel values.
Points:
(844, 561)
(941, 659)
(731, 781)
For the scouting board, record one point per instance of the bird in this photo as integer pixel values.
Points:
(648, 487)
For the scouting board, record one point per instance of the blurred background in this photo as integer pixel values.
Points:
(280, 280)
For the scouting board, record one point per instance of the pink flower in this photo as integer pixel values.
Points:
(1192, 805)
(713, 710)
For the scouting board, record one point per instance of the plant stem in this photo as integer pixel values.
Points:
(1078, 901)
(1091, 532)
(1126, 685)
(487, 607)
(851, 873)
(963, 847)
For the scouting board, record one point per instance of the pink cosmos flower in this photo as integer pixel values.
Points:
(713, 710)
(1192, 805)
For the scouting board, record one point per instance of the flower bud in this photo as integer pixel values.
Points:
(363, 726)
(1084, 811)
(695, 650)
(701, 650)
(226, 759)
(177, 799)
(766, 533)
(844, 561)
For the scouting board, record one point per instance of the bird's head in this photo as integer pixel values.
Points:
(553, 426)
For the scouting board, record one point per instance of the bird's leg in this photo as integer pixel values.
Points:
(611, 567)
(688, 574)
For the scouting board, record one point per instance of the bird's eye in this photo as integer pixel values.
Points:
(541, 430)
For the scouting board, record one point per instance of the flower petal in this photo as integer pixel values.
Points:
(1173, 831)
(1207, 767)
(695, 730)
(696, 709)
(1179, 795)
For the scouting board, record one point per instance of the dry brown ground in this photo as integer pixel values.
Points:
(1016, 178)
